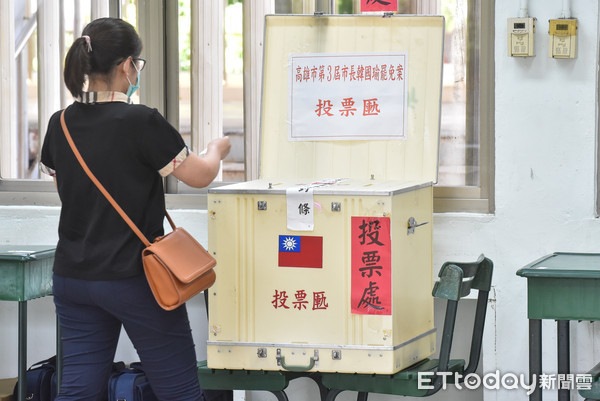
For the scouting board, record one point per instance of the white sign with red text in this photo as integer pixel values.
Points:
(347, 96)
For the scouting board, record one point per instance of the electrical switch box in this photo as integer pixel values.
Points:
(521, 37)
(563, 38)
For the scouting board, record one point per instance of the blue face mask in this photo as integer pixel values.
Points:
(132, 88)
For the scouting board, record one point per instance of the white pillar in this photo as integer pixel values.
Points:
(8, 118)
(207, 72)
(100, 8)
(254, 27)
(49, 62)
(151, 28)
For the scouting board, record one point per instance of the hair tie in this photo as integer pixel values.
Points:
(88, 41)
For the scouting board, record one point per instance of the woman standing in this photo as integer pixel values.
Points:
(99, 285)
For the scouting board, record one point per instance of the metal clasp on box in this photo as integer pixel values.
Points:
(412, 224)
(262, 205)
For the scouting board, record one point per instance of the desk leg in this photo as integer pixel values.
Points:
(22, 363)
(535, 357)
(564, 359)
(59, 360)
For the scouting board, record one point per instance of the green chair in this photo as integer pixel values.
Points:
(456, 281)
(593, 391)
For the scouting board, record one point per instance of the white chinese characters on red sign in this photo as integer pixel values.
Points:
(347, 96)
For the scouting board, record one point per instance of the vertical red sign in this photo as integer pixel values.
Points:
(378, 5)
(371, 265)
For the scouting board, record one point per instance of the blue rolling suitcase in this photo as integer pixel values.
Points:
(130, 384)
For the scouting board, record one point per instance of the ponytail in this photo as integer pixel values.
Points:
(77, 66)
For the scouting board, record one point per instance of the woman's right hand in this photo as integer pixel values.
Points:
(198, 171)
(220, 145)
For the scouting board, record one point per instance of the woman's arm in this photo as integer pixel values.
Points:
(198, 171)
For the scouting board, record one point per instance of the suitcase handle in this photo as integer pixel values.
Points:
(296, 368)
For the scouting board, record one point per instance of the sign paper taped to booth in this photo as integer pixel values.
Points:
(347, 96)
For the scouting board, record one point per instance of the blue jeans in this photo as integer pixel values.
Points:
(91, 314)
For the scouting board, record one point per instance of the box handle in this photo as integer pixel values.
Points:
(296, 368)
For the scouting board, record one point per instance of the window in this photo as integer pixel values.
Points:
(467, 123)
(30, 88)
(204, 74)
(227, 46)
(225, 80)
(37, 34)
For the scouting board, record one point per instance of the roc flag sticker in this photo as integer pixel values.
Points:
(300, 251)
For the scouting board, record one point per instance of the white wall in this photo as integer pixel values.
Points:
(545, 177)
(545, 170)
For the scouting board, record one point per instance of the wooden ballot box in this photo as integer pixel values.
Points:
(325, 262)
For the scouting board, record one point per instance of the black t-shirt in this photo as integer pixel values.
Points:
(129, 148)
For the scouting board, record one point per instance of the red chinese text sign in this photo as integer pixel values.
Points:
(378, 5)
(371, 266)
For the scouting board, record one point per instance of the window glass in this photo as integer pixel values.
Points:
(232, 83)
(233, 90)
(185, 54)
(345, 6)
(459, 137)
(292, 6)
(129, 14)
(458, 143)
(25, 154)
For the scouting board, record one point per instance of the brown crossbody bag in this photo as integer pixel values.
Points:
(177, 267)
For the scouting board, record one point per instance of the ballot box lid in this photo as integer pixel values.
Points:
(351, 96)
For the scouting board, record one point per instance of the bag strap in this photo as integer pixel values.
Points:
(121, 212)
(46, 363)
